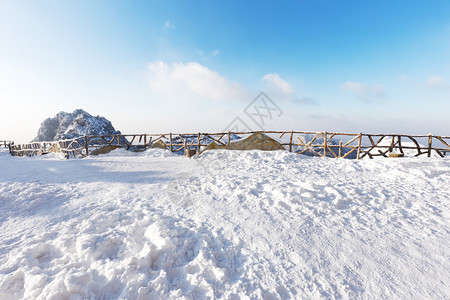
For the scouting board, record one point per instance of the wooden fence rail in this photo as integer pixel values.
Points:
(6, 144)
(321, 144)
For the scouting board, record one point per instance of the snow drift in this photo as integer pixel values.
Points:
(225, 225)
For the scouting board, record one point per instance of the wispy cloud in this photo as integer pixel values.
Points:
(363, 90)
(280, 89)
(169, 25)
(192, 80)
(277, 84)
(207, 56)
(436, 82)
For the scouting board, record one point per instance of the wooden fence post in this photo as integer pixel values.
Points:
(290, 141)
(400, 148)
(325, 144)
(430, 139)
(340, 148)
(64, 144)
(170, 141)
(391, 147)
(86, 145)
(198, 144)
(359, 146)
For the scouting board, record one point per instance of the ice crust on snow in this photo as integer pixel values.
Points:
(225, 225)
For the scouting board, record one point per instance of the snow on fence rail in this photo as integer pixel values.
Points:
(321, 144)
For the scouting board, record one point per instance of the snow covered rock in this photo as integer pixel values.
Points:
(71, 125)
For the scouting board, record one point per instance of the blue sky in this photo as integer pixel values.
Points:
(371, 66)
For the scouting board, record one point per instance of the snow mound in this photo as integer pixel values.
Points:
(109, 256)
(223, 225)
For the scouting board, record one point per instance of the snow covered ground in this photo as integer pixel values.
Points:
(227, 224)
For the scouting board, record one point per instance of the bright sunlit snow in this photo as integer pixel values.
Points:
(227, 224)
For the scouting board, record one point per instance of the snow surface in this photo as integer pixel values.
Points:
(227, 224)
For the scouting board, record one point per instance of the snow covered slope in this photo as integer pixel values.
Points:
(227, 225)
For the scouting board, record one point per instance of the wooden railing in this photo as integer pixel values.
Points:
(321, 144)
(6, 144)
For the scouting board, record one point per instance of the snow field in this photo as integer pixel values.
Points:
(227, 224)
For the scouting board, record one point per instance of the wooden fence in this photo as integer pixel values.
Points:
(6, 144)
(321, 144)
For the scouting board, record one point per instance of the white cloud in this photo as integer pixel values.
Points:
(280, 89)
(192, 80)
(169, 25)
(435, 81)
(363, 90)
(278, 85)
